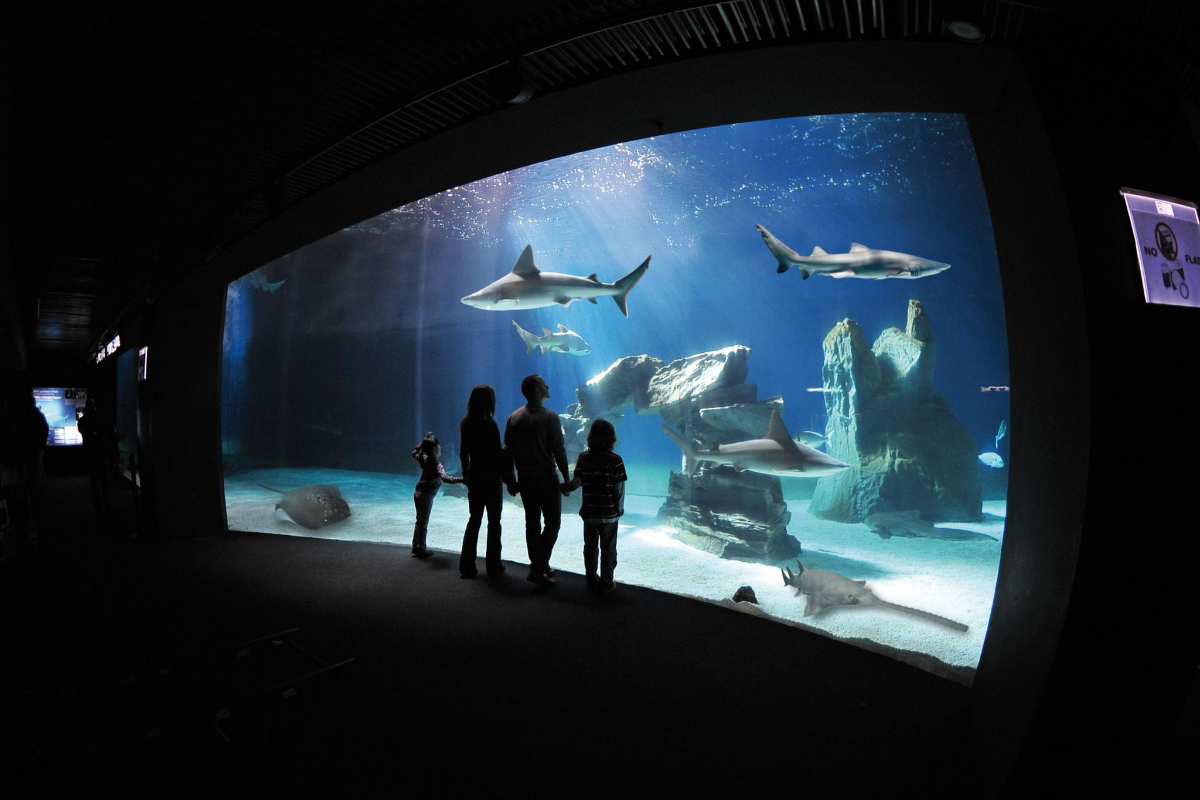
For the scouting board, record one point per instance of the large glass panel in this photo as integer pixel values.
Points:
(841, 394)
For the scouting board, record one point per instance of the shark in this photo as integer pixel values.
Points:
(312, 507)
(887, 524)
(861, 262)
(774, 454)
(824, 590)
(564, 340)
(528, 287)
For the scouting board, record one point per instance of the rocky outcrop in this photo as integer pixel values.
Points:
(575, 430)
(732, 514)
(905, 448)
(697, 378)
(619, 388)
(735, 423)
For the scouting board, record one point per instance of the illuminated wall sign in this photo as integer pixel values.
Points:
(109, 349)
(1167, 233)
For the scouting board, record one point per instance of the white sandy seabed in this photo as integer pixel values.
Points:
(954, 579)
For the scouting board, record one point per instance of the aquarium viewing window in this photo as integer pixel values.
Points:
(61, 408)
(1167, 235)
(804, 359)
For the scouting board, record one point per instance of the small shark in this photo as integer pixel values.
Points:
(909, 524)
(528, 287)
(312, 506)
(1001, 433)
(860, 262)
(564, 340)
(824, 590)
(775, 454)
(992, 460)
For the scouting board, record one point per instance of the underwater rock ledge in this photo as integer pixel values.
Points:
(905, 447)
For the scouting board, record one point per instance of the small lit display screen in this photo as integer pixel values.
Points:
(61, 407)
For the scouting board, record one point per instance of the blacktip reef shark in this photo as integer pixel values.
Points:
(528, 287)
(861, 262)
(775, 454)
(824, 590)
(564, 340)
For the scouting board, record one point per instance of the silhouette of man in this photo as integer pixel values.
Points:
(534, 438)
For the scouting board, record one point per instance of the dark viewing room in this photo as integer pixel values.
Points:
(601, 398)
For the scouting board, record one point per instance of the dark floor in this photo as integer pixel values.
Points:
(134, 666)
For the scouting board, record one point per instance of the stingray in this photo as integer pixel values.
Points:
(312, 506)
(824, 590)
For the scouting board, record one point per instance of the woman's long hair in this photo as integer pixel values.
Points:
(482, 403)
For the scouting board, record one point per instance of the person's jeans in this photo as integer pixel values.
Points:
(424, 503)
(542, 500)
(482, 498)
(602, 537)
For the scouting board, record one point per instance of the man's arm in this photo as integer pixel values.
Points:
(559, 448)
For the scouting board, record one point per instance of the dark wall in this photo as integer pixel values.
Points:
(1129, 651)
(1049, 353)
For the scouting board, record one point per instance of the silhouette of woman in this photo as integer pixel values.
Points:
(485, 466)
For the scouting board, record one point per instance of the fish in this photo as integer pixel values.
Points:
(861, 262)
(909, 524)
(312, 507)
(809, 438)
(258, 280)
(528, 287)
(774, 454)
(1001, 433)
(564, 340)
(992, 460)
(824, 590)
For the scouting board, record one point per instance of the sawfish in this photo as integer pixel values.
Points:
(312, 507)
(887, 524)
(824, 590)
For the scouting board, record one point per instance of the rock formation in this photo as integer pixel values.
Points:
(740, 515)
(695, 378)
(905, 448)
(619, 388)
(705, 396)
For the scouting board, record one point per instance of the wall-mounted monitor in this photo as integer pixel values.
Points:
(1167, 234)
(62, 408)
(789, 336)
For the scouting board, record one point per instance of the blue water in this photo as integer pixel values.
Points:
(366, 345)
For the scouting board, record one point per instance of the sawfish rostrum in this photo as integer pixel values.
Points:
(313, 507)
(824, 590)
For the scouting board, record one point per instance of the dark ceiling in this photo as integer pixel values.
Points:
(142, 144)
